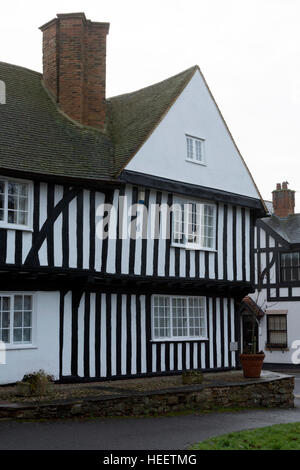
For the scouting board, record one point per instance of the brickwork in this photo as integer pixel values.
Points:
(283, 200)
(74, 66)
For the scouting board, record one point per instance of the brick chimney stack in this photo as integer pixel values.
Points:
(74, 66)
(283, 200)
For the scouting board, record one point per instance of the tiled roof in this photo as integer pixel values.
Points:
(288, 227)
(35, 137)
(252, 306)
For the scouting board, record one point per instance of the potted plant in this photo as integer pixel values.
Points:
(251, 360)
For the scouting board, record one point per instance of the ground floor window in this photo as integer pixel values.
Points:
(177, 317)
(276, 331)
(16, 318)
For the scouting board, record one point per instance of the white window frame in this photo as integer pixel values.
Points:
(192, 157)
(178, 338)
(4, 223)
(186, 244)
(32, 344)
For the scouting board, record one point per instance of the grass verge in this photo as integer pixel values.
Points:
(276, 437)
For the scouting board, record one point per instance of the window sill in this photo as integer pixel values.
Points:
(24, 228)
(177, 340)
(195, 247)
(17, 347)
(195, 161)
(276, 349)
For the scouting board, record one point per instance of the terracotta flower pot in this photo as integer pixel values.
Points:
(252, 364)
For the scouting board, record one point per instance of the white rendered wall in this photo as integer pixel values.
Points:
(164, 153)
(293, 330)
(44, 353)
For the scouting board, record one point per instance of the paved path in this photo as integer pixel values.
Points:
(165, 433)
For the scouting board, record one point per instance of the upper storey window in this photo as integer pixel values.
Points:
(194, 224)
(15, 203)
(195, 150)
(290, 266)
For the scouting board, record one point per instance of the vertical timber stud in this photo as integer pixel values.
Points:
(61, 329)
(76, 297)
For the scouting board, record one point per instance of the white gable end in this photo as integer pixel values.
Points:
(164, 153)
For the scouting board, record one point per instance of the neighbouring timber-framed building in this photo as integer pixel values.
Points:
(277, 280)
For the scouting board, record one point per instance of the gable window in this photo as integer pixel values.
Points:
(195, 149)
(175, 317)
(276, 331)
(16, 318)
(15, 203)
(194, 224)
(290, 266)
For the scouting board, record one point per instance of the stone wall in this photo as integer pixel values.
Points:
(275, 393)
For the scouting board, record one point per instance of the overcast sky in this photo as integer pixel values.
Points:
(249, 52)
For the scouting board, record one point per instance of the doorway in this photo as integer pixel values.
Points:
(248, 338)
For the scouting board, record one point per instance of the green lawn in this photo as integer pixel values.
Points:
(277, 437)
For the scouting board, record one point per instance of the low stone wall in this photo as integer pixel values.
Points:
(271, 393)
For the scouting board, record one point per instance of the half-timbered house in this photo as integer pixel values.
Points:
(99, 279)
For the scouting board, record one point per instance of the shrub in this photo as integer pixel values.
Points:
(37, 382)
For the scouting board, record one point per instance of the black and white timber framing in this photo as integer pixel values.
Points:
(268, 247)
(106, 285)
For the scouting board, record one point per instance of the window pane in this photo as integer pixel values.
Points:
(14, 199)
(12, 217)
(199, 145)
(27, 302)
(23, 189)
(4, 336)
(27, 335)
(189, 143)
(277, 330)
(178, 223)
(5, 320)
(12, 188)
(290, 266)
(18, 304)
(207, 227)
(5, 304)
(22, 218)
(22, 320)
(18, 319)
(179, 317)
(23, 201)
(161, 312)
(193, 221)
(197, 316)
(12, 202)
(17, 335)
